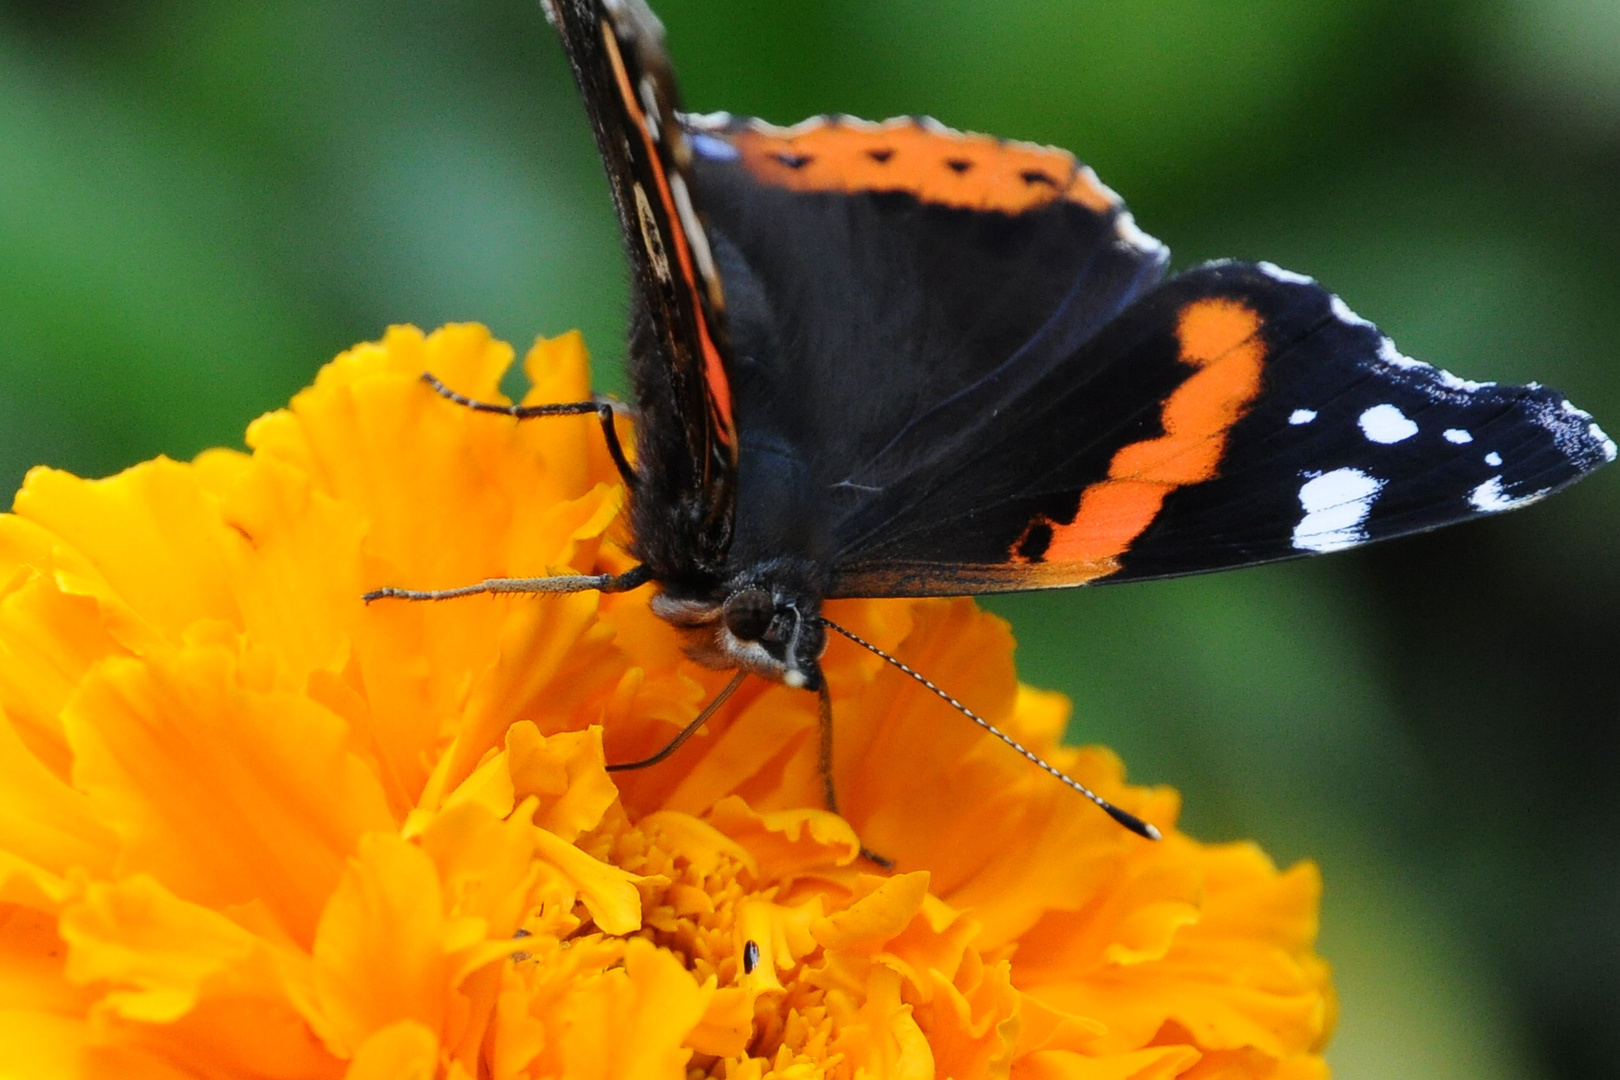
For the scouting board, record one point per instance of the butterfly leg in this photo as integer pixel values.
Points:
(560, 583)
(602, 409)
(686, 732)
(824, 764)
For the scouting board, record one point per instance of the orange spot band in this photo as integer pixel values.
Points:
(714, 371)
(935, 164)
(1220, 338)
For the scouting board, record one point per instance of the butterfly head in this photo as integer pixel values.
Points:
(765, 623)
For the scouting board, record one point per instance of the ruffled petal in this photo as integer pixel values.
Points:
(252, 827)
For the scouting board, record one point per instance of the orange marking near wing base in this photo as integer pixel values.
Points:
(933, 163)
(1220, 338)
(714, 371)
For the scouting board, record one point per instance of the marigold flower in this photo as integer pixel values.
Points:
(250, 827)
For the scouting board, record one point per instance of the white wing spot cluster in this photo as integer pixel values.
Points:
(1301, 416)
(1457, 435)
(1386, 424)
(1493, 459)
(1336, 506)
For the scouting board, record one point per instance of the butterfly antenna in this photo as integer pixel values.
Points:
(1124, 817)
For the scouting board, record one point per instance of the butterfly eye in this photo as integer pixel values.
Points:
(749, 613)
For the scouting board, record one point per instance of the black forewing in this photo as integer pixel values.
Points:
(1346, 442)
(1352, 442)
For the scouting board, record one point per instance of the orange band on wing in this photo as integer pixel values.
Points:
(933, 163)
(1221, 339)
(714, 371)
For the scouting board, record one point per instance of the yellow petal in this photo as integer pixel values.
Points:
(973, 1030)
(695, 840)
(566, 772)
(44, 1046)
(402, 1051)
(607, 892)
(483, 863)
(31, 968)
(150, 532)
(224, 794)
(635, 1023)
(187, 978)
(883, 1037)
(139, 936)
(379, 951)
(1154, 1063)
(727, 1023)
(786, 842)
(48, 641)
(43, 821)
(876, 917)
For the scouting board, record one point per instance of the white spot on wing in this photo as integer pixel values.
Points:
(1457, 435)
(1489, 497)
(1493, 459)
(1336, 506)
(1301, 416)
(1386, 424)
(1277, 273)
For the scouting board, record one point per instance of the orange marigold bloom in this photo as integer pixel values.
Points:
(250, 827)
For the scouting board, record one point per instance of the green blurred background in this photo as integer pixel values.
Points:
(202, 201)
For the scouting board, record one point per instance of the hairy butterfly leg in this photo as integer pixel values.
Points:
(686, 732)
(603, 410)
(824, 765)
(632, 578)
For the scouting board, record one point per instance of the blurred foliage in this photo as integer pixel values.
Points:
(201, 201)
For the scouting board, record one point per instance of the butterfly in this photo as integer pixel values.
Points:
(894, 359)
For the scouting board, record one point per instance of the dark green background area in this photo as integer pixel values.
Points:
(201, 201)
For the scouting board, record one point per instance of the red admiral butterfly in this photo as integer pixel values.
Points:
(899, 360)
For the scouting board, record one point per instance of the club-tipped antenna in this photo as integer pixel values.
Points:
(1124, 817)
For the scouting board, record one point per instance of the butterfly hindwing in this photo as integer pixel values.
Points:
(877, 273)
(1236, 415)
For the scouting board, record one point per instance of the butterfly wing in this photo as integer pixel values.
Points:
(956, 371)
(879, 274)
(686, 440)
(1236, 415)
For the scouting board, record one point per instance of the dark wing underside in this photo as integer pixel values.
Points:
(954, 371)
(877, 277)
(686, 443)
(1237, 415)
